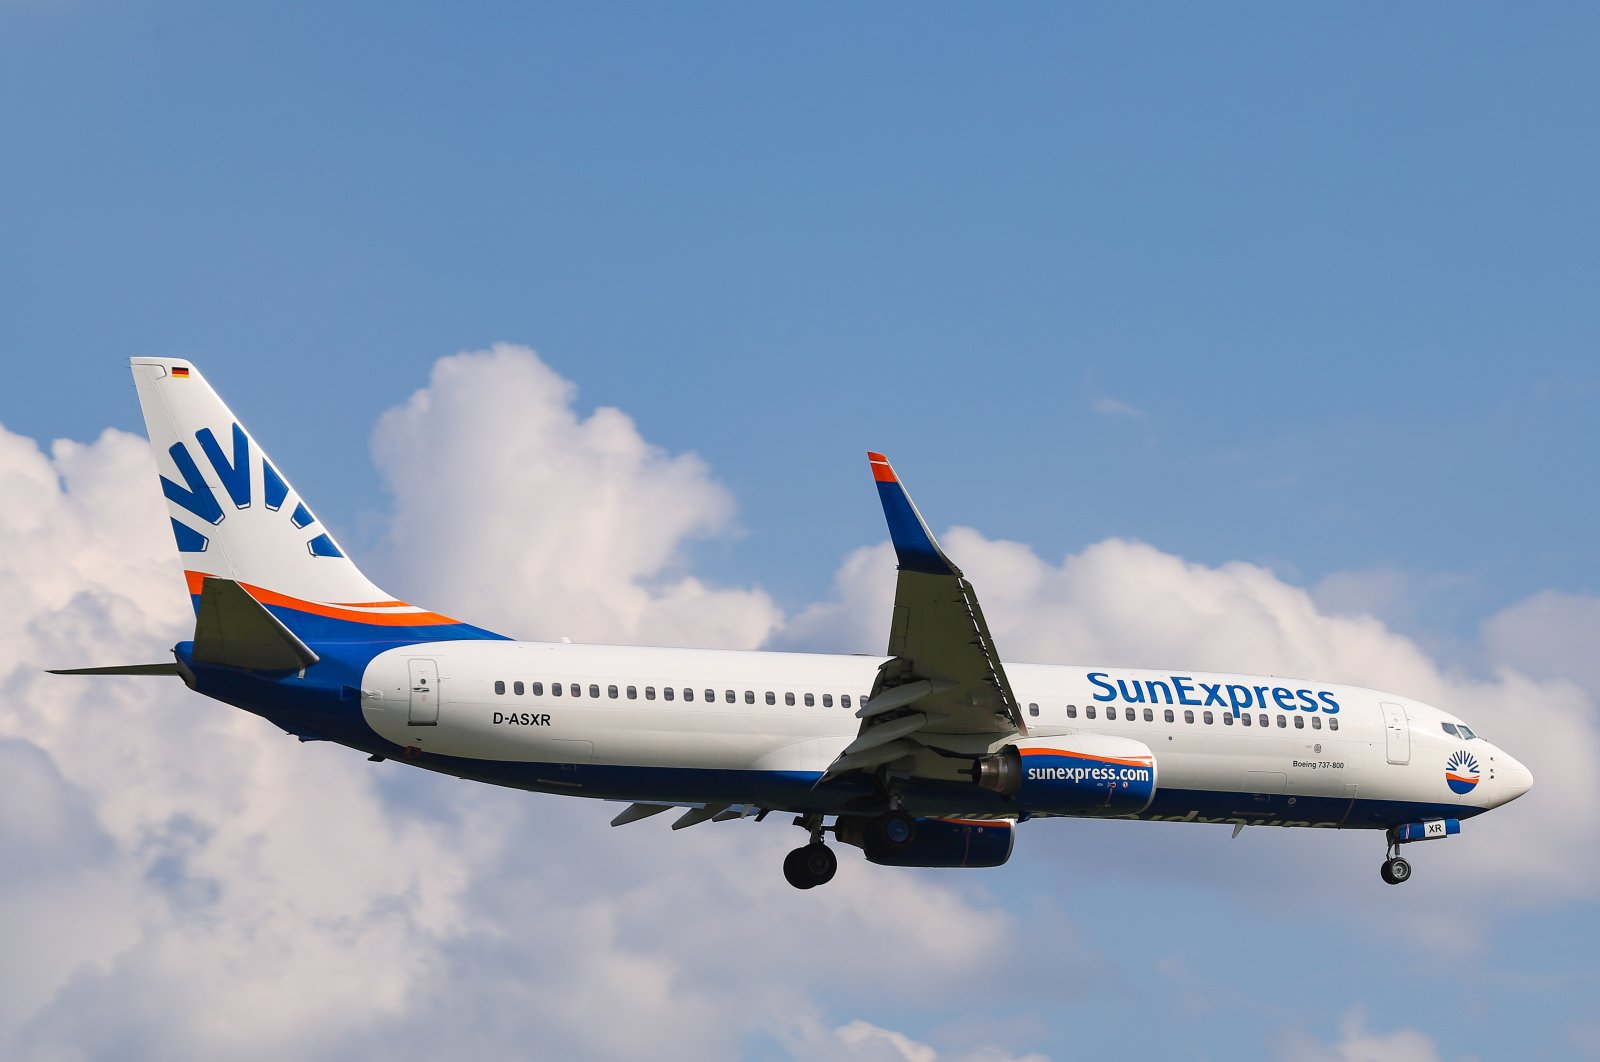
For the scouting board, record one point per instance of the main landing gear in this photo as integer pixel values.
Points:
(813, 864)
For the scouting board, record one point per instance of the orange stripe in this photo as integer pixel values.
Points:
(881, 470)
(1460, 777)
(269, 597)
(1084, 756)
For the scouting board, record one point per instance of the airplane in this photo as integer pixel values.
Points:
(928, 755)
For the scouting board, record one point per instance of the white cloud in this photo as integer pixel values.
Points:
(1121, 603)
(205, 886)
(543, 523)
(1357, 1043)
(1110, 407)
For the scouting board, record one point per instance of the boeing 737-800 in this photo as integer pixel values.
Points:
(928, 755)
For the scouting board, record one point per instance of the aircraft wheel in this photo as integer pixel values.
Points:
(820, 863)
(794, 871)
(1396, 871)
(896, 830)
(809, 866)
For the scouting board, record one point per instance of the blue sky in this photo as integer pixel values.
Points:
(1312, 290)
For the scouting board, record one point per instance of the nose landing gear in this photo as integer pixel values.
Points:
(1395, 869)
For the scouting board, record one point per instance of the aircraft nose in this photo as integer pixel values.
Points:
(1515, 779)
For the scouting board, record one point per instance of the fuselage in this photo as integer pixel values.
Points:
(760, 728)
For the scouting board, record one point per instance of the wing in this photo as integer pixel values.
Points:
(944, 677)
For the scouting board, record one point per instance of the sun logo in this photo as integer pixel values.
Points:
(1461, 772)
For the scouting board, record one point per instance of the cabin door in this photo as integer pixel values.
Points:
(424, 693)
(1397, 733)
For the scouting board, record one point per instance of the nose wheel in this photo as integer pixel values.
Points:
(1395, 870)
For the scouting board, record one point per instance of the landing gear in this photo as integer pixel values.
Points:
(1395, 871)
(814, 864)
(810, 865)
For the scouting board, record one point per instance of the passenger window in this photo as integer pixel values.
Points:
(811, 700)
(667, 693)
(1333, 724)
(1033, 709)
(1188, 715)
(1316, 722)
(1072, 711)
(827, 700)
(688, 693)
(633, 693)
(499, 687)
(749, 697)
(1088, 711)
(1245, 719)
(1263, 720)
(611, 691)
(555, 689)
(1168, 716)
(1207, 717)
(732, 697)
(538, 689)
(711, 697)
(517, 688)
(844, 700)
(788, 698)
(649, 693)
(1227, 720)
(771, 697)
(1282, 722)
(1299, 722)
(1149, 716)
(594, 691)
(1111, 711)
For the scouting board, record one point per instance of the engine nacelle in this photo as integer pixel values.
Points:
(936, 843)
(1084, 774)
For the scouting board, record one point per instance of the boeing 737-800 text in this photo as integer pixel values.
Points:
(926, 756)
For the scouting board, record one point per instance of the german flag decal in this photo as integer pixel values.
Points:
(181, 372)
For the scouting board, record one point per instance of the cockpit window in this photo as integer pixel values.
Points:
(1465, 731)
(1450, 728)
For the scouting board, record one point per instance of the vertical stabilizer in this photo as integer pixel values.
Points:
(235, 516)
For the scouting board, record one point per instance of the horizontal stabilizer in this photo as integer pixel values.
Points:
(235, 630)
(169, 668)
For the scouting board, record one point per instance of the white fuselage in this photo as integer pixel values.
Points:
(792, 713)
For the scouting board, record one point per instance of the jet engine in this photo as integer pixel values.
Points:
(1083, 774)
(933, 842)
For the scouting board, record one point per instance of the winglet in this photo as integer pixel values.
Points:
(914, 544)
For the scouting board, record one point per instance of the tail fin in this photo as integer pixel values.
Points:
(237, 518)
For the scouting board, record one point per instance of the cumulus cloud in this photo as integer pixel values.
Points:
(1126, 604)
(204, 885)
(517, 511)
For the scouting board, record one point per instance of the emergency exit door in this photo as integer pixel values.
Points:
(424, 693)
